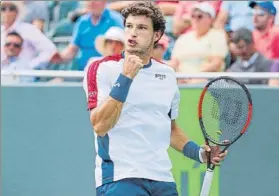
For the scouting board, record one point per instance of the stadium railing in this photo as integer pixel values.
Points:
(80, 74)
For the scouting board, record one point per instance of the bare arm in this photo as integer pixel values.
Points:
(104, 117)
(167, 8)
(39, 24)
(178, 138)
(119, 5)
(214, 64)
(69, 53)
(221, 19)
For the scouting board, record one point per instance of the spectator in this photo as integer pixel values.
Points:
(249, 59)
(91, 25)
(12, 48)
(266, 34)
(36, 13)
(160, 48)
(234, 15)
(203, 49)
(111, 43)
(37, 49)
(274, 68)
(182, 16)
(276, 4)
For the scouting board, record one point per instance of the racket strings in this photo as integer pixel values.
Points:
(224, 110)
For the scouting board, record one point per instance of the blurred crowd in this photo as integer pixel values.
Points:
(201, 36)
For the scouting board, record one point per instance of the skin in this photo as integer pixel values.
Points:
(139, 42)
(12, 51)
(8, 17)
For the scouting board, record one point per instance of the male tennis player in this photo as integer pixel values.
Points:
(134, 102)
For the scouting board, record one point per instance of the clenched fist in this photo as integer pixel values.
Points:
(132, 65)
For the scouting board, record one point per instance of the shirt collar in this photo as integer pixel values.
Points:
(251, 61)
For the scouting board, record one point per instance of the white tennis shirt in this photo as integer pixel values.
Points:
(137, 145)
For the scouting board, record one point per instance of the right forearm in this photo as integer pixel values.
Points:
(105, 117)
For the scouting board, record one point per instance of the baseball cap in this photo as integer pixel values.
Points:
(113, 33)
(266, 5)
(206, 8)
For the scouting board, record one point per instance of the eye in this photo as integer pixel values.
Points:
(142, 27)
(128, 26)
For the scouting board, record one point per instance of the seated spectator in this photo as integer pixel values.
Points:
(111, 43)
(12, 48)
(37, 49)
(182, 15)
(249, 59)
(36, 13)
(234, 15)
(160, 48)
(266, 34)
(89, 26)
(203, 49)
(274, 68)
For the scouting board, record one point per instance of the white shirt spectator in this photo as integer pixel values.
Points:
(37, 48)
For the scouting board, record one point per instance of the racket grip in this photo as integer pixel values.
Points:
(207, 182)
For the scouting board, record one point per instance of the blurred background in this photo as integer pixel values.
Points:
(47, 142)
(240, 36)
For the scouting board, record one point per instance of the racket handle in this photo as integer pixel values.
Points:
(207, 182)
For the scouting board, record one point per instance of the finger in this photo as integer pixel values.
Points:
(206, 148)
(216, 159)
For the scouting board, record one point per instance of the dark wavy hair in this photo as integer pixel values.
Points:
(150, 10)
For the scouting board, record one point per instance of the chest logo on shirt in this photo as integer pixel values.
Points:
(160, 76)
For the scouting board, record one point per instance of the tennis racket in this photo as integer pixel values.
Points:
(225, 112)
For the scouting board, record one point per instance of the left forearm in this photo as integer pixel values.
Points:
(181, 143)
(178, 139)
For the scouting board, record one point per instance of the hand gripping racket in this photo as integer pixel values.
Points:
(225, 112)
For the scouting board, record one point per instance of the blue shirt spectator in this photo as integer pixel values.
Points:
(85, 33)
(234, 15)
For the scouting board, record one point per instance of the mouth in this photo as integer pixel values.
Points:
(132, 42)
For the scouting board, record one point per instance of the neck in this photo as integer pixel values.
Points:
(202, 32)
(8, 25)
(265, 30)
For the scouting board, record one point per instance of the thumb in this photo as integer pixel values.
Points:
(206, 148)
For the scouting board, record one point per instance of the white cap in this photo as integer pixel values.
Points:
(206, 8)
(114, 33)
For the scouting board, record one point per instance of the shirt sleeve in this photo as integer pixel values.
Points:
(218, 44)
(96, 84)
(274, 47)
(43, 46)
(76, 34)
(173, 114)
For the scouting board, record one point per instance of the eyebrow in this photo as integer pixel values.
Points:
(136, 24)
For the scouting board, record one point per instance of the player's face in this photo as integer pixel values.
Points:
(139, 35)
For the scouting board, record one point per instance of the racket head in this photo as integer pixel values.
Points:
(224, 110)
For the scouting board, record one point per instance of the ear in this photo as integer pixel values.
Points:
(157, 36)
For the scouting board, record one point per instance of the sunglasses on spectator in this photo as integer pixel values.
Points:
(15, 45)
(10, 8)
(197, 16)
(259, 13)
